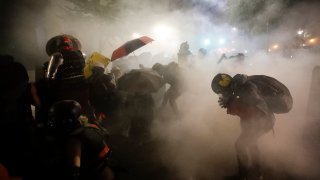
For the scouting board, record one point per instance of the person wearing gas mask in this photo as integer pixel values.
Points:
(254, 99)
(62, 77)
(84, 151)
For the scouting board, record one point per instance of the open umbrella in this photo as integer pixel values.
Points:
(140, 80)
(130, 46)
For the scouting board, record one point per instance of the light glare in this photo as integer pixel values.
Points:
(136, 35)
(206, 42)
(162, 32)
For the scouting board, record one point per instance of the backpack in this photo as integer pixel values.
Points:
(275, 93)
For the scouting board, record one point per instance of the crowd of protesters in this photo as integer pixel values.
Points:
(83, 126)
(87, 126)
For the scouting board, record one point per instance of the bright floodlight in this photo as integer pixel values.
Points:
(162, 31)
(136, 35)
(300, 31)
(234, 29)
(206, 42)
(222, 41)
(313, 40)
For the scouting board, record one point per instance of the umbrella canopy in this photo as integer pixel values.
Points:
(140, 80)
(130, 46)
(95, 60)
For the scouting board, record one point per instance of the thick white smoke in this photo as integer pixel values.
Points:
(201, 143)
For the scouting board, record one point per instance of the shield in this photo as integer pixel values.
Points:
(130, 46)
(141, 81)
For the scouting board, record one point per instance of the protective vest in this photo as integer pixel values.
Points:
(95, 151)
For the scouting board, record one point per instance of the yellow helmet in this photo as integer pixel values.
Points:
(221, 82)
(95, 60)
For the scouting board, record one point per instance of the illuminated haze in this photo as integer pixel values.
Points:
(201, 144)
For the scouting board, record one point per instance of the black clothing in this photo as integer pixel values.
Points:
(91, 141)
(95, 152)
(101, 89)
(16, 122)
(256, 119)
(173, 75)
(51, 91)
(68, 84)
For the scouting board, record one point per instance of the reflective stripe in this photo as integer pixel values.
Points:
(104, 151)
(92, 126)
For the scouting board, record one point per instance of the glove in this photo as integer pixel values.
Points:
(223, 102)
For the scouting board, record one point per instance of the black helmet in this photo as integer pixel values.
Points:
(158, 67)
(184, 45)
(67, 65)
(221, 83)
(62, 43)
(64, 115)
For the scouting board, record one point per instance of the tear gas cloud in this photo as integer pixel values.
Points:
(201, 143)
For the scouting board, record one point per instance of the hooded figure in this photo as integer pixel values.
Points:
(84, 150)
(64, 77)
(101, 85)
(184, 54)
(172, 74)
(16, 122)
(242, 98)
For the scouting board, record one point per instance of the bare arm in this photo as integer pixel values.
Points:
(74, 157)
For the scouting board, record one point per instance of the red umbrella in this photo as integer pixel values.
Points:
(130, 46)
